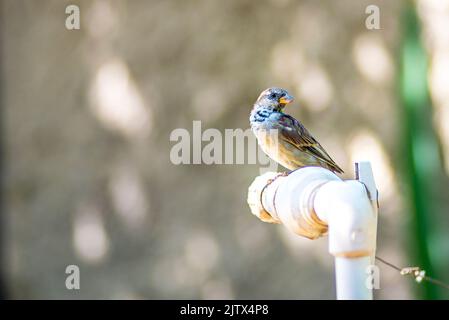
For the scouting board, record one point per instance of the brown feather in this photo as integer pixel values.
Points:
(294, 133)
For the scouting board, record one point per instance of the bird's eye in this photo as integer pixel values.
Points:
(273, 95)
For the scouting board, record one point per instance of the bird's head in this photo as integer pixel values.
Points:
(275, 98)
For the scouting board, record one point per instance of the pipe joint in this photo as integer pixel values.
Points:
(349, 213)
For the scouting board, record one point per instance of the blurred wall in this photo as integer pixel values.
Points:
(87, 119)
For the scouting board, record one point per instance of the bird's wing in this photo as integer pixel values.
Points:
(293, 132)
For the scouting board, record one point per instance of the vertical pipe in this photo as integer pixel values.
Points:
(351, 278)
(352, 220)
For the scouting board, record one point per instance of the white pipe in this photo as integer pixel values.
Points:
(313, 201)
(347, 210)
(350, 278)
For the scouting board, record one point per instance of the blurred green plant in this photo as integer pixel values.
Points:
(421, 159)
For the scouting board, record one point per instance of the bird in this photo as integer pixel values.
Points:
(283, 138)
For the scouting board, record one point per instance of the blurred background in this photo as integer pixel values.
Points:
(86, 120)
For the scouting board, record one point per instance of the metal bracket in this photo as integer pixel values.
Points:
(364, 174)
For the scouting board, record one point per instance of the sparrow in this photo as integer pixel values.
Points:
(283, 138)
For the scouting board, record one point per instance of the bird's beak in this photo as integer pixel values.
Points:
(286, 99)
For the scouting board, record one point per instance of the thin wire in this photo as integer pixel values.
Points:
(436, 282)
(388, 264)
(418, 276)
